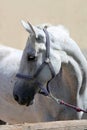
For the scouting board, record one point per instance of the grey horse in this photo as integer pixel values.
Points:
(51, 63)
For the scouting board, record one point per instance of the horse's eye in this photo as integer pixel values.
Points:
(31, 58)
(39, 38)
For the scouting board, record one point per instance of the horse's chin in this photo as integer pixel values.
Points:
(29, 103)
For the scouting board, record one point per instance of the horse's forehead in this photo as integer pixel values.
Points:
(35, 45)
(40, 47)
(39, 31)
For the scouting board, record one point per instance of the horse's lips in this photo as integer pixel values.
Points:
(29, 103)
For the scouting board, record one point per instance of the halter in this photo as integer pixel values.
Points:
(46, 62)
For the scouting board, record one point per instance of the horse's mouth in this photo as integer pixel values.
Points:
(29, 103)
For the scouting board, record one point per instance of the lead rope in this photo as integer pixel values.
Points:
(61, 102)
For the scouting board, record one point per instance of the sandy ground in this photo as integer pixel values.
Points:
(71, 13)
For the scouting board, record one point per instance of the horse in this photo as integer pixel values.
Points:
(51, 63)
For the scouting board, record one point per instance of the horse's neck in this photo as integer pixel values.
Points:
(64, 44)
(65, 84)
(58, 58)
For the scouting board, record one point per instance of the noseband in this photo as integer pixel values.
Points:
(46, 62)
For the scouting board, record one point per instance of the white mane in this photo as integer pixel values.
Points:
(61, 41)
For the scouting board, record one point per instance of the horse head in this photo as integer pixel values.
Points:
(35, 68)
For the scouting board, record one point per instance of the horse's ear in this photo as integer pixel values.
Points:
(28, 27)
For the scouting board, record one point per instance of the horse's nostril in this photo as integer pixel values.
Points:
(19, 99)
(16, 97)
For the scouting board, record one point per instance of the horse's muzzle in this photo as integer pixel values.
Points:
(22, 101)
(24, 94)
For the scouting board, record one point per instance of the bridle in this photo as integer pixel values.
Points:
(46, 90)
(46, 62)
